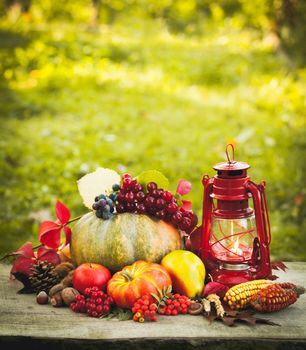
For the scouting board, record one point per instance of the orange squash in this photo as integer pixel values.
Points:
(133, 281)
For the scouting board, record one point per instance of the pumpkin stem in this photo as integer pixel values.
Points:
(127, 275)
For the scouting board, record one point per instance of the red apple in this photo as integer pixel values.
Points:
(90, 275)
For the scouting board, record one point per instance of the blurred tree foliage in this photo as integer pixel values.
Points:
(140, 84)
(284, 18)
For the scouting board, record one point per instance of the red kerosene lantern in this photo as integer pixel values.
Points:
(235, 238)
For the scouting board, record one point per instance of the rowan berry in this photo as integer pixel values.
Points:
(162, 311)
(145, 308)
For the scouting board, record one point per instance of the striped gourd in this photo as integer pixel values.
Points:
(121, 240)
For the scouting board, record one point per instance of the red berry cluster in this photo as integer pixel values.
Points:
(144, 309)
(94, 302)
(133, 198)
(176, 304)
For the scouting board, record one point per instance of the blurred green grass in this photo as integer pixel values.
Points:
(133, 96)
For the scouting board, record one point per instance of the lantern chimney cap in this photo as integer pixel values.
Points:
(231, 164)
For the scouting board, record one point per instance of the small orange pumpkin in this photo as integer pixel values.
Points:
(133, 281)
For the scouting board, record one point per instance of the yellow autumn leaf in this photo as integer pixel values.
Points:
(95, 183)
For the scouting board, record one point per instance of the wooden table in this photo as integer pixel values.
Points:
(27, 325)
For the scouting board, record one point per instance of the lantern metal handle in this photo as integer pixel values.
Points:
(227, 153)
(262, 187)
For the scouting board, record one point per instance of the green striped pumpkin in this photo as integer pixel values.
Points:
(121, 240)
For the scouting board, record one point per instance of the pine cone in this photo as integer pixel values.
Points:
(43, 277)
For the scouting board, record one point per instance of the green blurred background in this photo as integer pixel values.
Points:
(138, 84)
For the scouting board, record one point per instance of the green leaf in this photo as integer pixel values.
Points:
(120, 314)
(160, 293)
(153, 176)
(178, 199)
(169, 289)
(125, 315)
(156, 297)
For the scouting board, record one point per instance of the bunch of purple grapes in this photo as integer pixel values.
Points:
(131, 197)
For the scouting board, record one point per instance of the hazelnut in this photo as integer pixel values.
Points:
(56, 300)
(56, 289)
(68, 295)
(42, 298)
(195, 308)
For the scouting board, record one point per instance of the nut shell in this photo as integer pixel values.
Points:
(68, 295)
(63, 269)
(42, 298)
(195, 308)
(56, 289)
(56, 300)
(67, 281)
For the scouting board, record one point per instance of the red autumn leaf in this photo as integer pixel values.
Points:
(24, 262)
(279, 265)
(51, 238)
(26, 250)
(47, 226)
(272, 277)
(67, 231)
(50, 234)
(186, 205)
(23, 265)
(183, 187)
(195, 241)
(47, 254)
(215, 288)
(62, 212)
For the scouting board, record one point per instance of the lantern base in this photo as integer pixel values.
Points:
(232, 274)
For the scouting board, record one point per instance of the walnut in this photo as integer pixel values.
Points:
(68, 295)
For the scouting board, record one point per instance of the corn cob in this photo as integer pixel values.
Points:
(238, 297)
(276, 297)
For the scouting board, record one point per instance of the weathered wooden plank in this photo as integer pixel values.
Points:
(22, 320)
